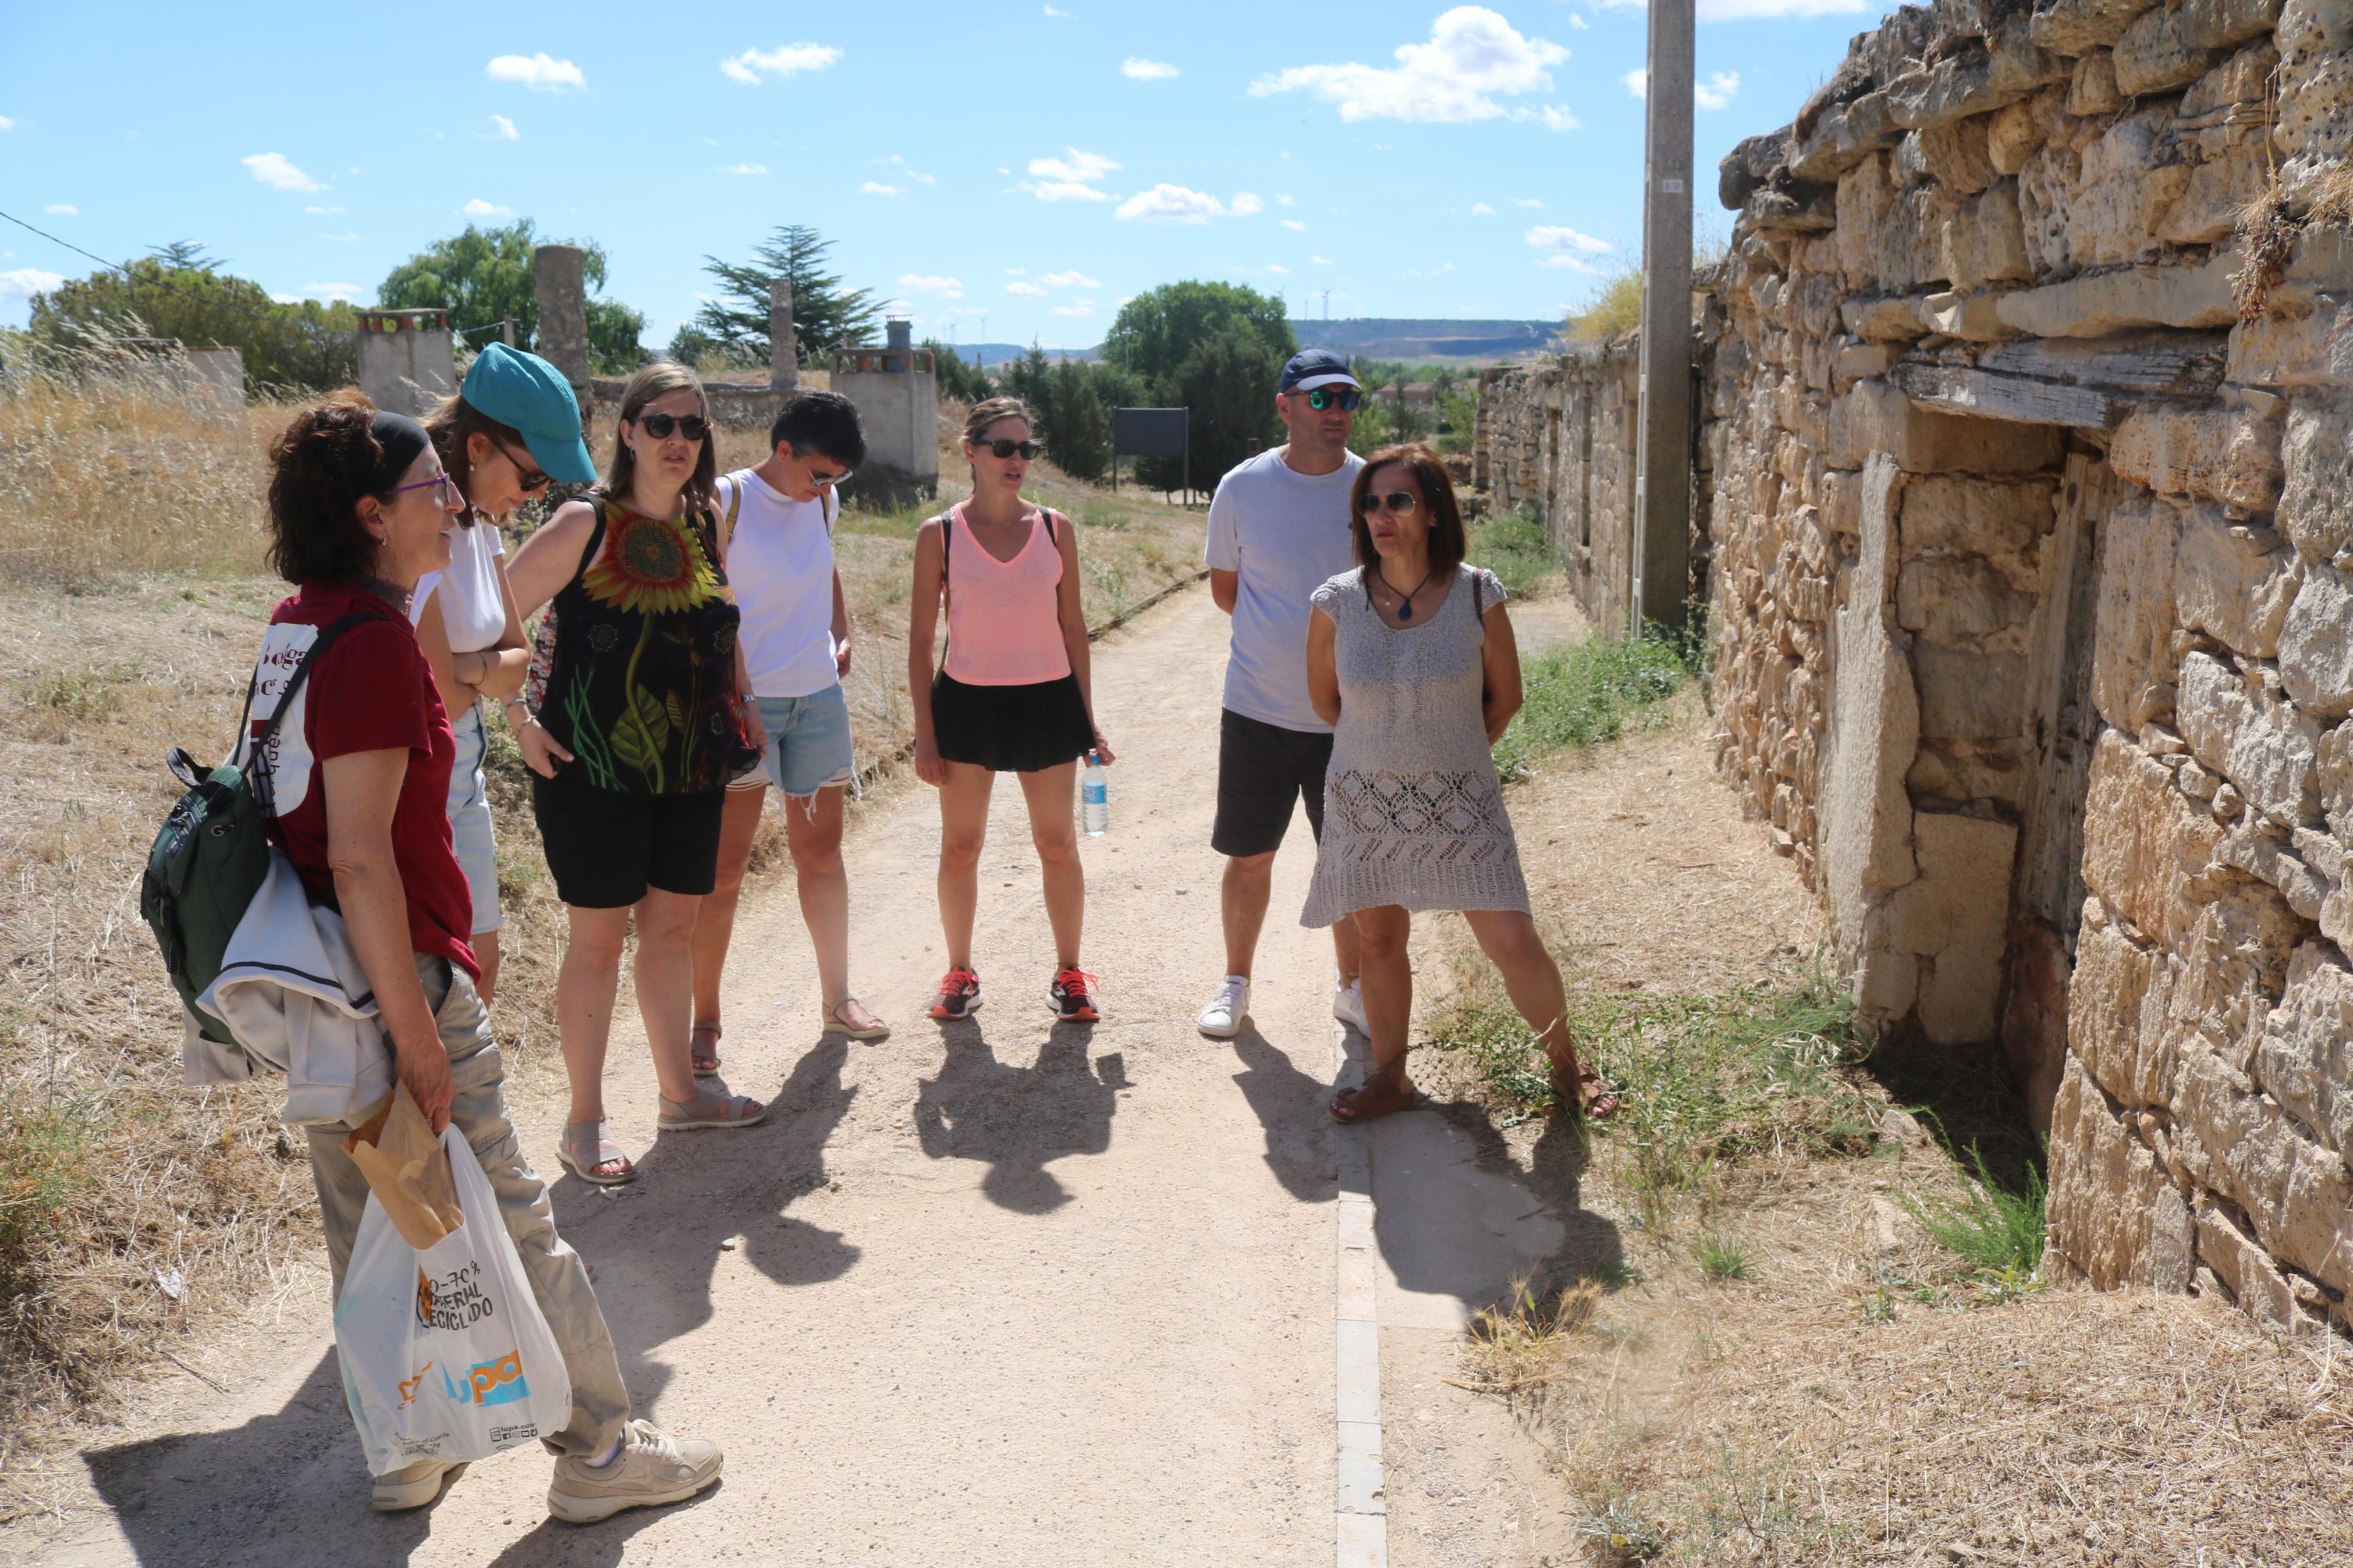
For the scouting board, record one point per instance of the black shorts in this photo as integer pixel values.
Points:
(1262, 769)
(1010, 729)
(605, 847)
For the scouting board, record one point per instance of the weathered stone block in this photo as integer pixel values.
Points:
(2226, 455)
(1859, 361)
(1984, 242)
(2092, 92)
(2076, 27)
(2240, 1264)
(1955, 155)
(2145, 850)
(2132, 662)
(2245, 78)
(2114, 975)
(1974, 318)
(2189, 295)
(2242, 725)
(1951, 917)
(2334, 760)
(1980, 516)
(2262, 849)
(2035, 1012)
(2104, 1187)
(2298, 1194)
(1961, 596)
(2315, 645)
(2234, 581)
(1969, 693)
(2176, 43)
(2316, 505)
(1891, 321)
(1877, 417)
(2015, 134)
(2212, 196)
(2306, 1057)
(1973, 76)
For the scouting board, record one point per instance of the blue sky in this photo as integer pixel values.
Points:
(1023, 165)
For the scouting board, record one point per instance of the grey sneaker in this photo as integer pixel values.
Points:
(412, 1486)
(653, 1469)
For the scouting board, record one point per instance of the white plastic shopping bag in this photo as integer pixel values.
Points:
(445, 1352)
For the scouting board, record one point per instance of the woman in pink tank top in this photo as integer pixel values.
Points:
(1012, 695)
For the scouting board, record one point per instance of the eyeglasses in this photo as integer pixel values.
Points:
(1001, 447)
(451, 495)
(826, 481)
(1401, 502)
(693, 427)
(1326, 397)
(527, 474)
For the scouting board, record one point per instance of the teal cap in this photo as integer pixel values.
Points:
(526, 392)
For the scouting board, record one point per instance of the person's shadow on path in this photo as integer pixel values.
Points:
(1289, 1105)
(1019, 1120)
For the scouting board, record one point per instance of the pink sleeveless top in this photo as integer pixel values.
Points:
(1003, 625)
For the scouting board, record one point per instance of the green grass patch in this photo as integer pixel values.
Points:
(1995, 1230)
(1513, 545)
(44, 1165)
(1581, 695)
(1724, 1258)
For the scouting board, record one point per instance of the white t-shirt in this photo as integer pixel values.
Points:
(472, 612)
(780, 563)
(1284, 533)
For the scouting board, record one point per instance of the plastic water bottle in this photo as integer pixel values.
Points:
(1094, 797)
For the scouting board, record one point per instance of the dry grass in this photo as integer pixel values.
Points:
(133, 1212)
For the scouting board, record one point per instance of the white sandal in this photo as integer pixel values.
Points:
(711, 1108)
(582, 1156)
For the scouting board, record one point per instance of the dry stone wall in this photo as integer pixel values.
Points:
(2030, 449)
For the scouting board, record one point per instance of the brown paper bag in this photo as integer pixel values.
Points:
(408, 1170)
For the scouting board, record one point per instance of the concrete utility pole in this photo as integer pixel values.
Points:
(555, 272)
(784, 353)
(1662, 460)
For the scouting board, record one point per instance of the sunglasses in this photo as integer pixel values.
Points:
(1401, 502)
(1002, 448)
(527, 474)
(450, 495)
(693, 427)
(1327, 397)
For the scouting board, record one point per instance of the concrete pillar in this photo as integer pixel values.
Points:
(406, 360)
(562, 313)
(220, 371)
(1662, 458)
(784, 353)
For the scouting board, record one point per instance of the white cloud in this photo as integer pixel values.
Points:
(351, 292)
(322, 210)
(1072, 279)
(1026, 291)
(1055, 11)
(273, 169)
(539, 72)
(1288, 200)
(478, 208)
(1718, 90)
(1137, 68)
(26, 281)
(1574, 264)
(1472, 55)
(753, 65)
(1553, 237)
(1017, 271)
(8, 124)
(908, 169)
(1247, 202)
(1579, 23)
(1077, 308)
(744, 169)
(710, 142)
(1063, 191)
(1481, 209)
(929, 283)
(1278, 267)
(877, 188)
(1637, 81)
(1294, 225)
(1525, 201)
(1083, 167)
(62, 209)
(1320, 260)
(1555, 118)
(1165, 202)
(502, 130)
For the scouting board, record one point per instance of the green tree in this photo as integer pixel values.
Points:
(483, 275)
(825, 313)
(958, 376)
(181, 292)
(1217, 349)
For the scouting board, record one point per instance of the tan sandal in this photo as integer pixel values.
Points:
(583, 1151)
(705, 1061)
(835, 1024)
(710, 1109)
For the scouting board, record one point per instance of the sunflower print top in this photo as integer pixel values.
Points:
(641, 689)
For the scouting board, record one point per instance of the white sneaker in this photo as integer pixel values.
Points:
(1222, 1018)
(1348, 1006)
(412, 1486)
(651, 1469)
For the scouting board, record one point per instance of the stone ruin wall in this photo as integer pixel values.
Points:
(2033, 590)
(1559, 440)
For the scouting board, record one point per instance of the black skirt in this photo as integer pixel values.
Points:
(1010, 729)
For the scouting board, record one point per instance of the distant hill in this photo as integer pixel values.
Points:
(1383, 337)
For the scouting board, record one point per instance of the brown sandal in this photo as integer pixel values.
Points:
(1594, 1100)
(704, 1059)
(835, 1024)
(1381, 1094)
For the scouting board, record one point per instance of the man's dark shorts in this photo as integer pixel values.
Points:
(1262, 770)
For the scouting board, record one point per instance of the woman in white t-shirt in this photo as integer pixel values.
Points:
(513, 426)
(776, 543)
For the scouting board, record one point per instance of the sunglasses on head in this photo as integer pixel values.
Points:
(1401, 502)
(1325, 397)
(693, 427)
(1002, 448)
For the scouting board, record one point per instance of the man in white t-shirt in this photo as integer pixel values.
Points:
(776, 530)
(1278, 531)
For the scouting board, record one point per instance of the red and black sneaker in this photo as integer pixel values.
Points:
(959, 994)
(1069, 997)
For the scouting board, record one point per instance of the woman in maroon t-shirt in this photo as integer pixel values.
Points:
(359, 781)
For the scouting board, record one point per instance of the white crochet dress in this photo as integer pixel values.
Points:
(1412, 812)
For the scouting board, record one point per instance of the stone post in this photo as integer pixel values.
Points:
(562, 313)
(1662, 463)
(407, 359)
(784, 355)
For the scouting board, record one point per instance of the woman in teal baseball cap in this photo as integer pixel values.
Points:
(513, 427)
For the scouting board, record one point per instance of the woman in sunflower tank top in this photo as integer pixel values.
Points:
(633, 734)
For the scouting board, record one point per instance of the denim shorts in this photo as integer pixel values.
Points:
(808, 740)
(470, 819)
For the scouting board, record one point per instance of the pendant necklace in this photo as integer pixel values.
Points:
(1405, 610)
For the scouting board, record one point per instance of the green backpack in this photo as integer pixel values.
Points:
(213, 854)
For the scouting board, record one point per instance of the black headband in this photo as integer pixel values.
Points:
(402, 439)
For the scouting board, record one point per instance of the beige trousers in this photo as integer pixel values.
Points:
(600, 1403)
